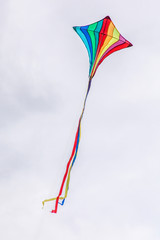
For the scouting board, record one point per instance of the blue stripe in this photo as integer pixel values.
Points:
(83, 37)
(76, 148)
(85, 32)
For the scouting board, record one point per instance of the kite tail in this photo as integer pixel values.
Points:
(66, 178)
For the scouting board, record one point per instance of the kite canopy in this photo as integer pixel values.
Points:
(101, 39)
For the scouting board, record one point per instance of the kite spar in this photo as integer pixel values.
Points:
(101, 39)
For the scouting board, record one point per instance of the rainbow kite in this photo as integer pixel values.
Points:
(101, 39)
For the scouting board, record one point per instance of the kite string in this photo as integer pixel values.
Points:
(78, 140)
(71, 159)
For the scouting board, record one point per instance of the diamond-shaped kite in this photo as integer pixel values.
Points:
(101, 39)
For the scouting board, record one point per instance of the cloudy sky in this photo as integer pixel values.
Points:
(115, 184)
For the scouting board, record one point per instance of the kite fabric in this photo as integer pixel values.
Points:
(101, 39)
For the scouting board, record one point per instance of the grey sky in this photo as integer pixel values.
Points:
(115, 184)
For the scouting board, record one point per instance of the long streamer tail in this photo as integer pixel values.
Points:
(66, 178)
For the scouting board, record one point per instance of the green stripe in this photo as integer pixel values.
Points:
(96, 37)
(91, 30)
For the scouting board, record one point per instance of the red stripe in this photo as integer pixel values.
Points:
(106, 26)
(103, 25)
(103, 31)
(67, 169)
(103, 35)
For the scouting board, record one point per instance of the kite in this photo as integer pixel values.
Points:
(101, 39)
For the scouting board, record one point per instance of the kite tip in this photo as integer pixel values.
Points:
(108, 17)
(130, 45)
